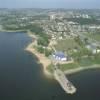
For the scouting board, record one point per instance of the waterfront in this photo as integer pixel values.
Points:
(21, 78)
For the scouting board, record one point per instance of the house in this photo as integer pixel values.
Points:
(93, 48)
(60, 56)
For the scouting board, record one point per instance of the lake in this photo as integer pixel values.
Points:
(22, 78)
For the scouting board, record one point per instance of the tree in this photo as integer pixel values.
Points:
(86, 40)
(40, 49)
(48, 52)
(42, 41)
(78, 40)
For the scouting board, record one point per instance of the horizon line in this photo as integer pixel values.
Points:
(46, 8)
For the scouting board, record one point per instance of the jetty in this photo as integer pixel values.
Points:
(67, 86)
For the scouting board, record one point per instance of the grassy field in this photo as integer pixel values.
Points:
(82, 58)
(83, 62)
(88, 61)
(66, 44)
(93, 36)
(50, 68)
(65, 67)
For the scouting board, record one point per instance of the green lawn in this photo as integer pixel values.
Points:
(85, 62)
(50, 68)
(66, 44)
(89, 61)
(64, 67)
(93, 36)
(97, 59)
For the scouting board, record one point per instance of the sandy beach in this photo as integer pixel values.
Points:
(41, 57)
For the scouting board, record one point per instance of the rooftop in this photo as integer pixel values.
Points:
(59, 54)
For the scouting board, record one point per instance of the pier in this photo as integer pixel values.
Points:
(67, 86)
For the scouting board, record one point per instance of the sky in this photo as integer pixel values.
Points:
(90, 4)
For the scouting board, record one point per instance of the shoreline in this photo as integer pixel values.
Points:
(41, 57)
(13, 31)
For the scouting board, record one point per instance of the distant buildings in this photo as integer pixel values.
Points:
(52, 17)
(93, 48)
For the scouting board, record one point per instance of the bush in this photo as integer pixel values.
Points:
(40, 49)
(42, 41)
(48, 52)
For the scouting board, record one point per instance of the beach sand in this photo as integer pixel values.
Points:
(41, 57)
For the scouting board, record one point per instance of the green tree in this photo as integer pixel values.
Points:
(48, 52)
(40, 49)
(42, 41)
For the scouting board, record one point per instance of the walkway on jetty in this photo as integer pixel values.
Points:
(63, 81)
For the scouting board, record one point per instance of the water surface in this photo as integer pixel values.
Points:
(21, 78)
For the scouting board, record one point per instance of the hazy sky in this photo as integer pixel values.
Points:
(49, 3)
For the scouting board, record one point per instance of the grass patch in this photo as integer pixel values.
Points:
(97, 59)
(86, 62)
(66, 44)
(93, 36)
(65, 67)
(50, 68)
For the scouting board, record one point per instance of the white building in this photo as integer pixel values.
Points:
(60, 56)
